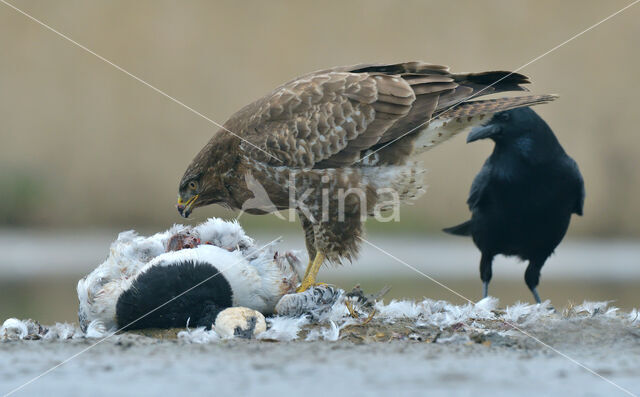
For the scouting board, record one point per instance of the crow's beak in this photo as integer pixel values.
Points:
(483, 132)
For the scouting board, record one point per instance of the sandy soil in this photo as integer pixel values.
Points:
(408, 362)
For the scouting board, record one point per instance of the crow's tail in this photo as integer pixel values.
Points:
(463, 229)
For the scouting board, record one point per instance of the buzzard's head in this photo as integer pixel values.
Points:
(190, 193)
(200, 189)
(203, 181)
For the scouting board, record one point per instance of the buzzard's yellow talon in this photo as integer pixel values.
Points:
(304, 287)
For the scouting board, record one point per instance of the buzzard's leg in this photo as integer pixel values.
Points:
(309, 266)
(311, 273)
(309, 239)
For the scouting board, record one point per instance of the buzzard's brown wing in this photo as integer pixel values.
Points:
(328, 118)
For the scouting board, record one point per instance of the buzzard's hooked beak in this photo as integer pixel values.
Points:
(185, 207)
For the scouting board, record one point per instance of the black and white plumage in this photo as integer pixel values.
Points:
(143, 273)
(523, 197)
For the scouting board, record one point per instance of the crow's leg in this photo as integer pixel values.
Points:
(485, 273)
(532, 277)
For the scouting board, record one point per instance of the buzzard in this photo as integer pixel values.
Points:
(337, 145)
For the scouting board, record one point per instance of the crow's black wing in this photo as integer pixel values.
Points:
(579, 183)
(479, 187)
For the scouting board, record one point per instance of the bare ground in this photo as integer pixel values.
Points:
(376, 358)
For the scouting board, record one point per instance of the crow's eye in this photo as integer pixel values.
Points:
(504, 116)
(193, 185)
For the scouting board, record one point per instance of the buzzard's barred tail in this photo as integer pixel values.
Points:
(489, 106)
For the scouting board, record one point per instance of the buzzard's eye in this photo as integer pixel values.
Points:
(193, 185)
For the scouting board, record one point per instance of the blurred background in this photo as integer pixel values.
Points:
(86, 151)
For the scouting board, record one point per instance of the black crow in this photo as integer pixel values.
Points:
(522, 199)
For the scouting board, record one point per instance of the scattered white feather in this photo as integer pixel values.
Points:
(63, 331)
(443, 314)
(594, 308)
(634, 317)
(199, 336)
(228, 235)
(96, 329)
(525, 313)
(398, 309)
(487, 304)
(337, 312)
(13, 329)
(330, 333)
(611, 312)
(591, 307)
(284, 328)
